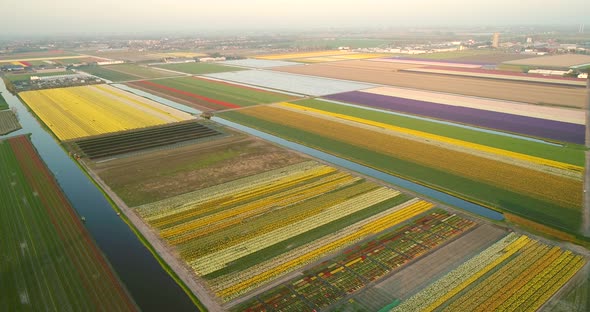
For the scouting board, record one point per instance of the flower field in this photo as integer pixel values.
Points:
(567, 115)
(49, 259)
(515, 274)
(78, 112)
(544, 197)
(350, 272)
(530, 126)
(207, 94)
(198, 68)
(247, 232)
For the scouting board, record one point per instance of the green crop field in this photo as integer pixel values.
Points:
(571, 154)
(199, 68)
(48, 259)
(3, 104)
(140, 72)
(107, 74)
(531, 207)
(207, 94)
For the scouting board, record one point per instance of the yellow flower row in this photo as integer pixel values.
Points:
(390, 220)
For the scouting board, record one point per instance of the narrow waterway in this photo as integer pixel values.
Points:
(149, 284)
(437, 195)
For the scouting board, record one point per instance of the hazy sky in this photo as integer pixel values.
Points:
(107, 16)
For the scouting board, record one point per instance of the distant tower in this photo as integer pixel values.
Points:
(496, 40)
(529, 40)
(581, 28)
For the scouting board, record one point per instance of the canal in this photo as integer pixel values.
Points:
(149, 284)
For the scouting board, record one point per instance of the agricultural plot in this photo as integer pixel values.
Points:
(499, 74)
(142, 56)
(530, 126)
(160, 174)
(197, 68)
(53, 262)
(554, 61)
(388, 73)
(567, 115)
(256, 63)
(357, 269)
(515, 274)
(549, 199)
(207, 94)
(8, 122)
(245, 233)
(569, 158)
(289, 56)
(144, 139)
(427, 62)
(78, 112)
(3, 104)
(291, 83)
(344, 57)
(125, 72)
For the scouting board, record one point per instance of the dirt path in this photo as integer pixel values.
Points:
(179, 268)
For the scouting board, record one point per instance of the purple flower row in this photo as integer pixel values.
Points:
(537, 127)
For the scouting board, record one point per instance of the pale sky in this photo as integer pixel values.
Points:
(30, 17)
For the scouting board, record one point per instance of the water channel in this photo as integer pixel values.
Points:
(149, 284)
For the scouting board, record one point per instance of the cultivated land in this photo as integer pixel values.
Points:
(143, 139)
(385, 73)
(8, 122)
(198, 68)
(255, 63)
(3, 104)
(307, 85)
(288, 56)
(189, 167)
(562, 61)
(92, 110)
(540, 195)
(208, 95)
(50, 259)
(125, 72)
(545, 128)
(141, 56)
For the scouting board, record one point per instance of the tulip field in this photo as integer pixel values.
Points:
(49, 260)
(246, 233)
(515, 274)
(544, 190)
(78, 112)
(327, 284)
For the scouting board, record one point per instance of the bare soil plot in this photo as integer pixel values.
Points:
(154, 176)
(382, 73)
(562, 60)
